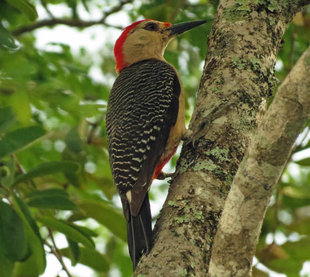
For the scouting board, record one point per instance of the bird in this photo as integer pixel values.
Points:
(145, 121)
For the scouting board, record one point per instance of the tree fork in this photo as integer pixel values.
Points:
(238, 76)
(259, 172)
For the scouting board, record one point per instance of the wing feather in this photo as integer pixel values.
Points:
(142, 108)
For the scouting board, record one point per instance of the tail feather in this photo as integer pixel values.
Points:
(139, 232)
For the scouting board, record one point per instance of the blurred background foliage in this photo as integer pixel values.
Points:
(59, 209)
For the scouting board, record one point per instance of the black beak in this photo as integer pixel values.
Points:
(180, 28)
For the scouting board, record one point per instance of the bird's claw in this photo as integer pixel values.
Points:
(163, 176)
(187, 134)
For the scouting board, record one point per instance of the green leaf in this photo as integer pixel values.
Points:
(84, 2)
(50, 198)
(259, 273)
(73, 141)
(88, 110)
(7, 41)
(104, 213)
(36, 263)
(297, 252)
(26, 268)
(7, 172)
(48, 168)
(18, 139)
(303, 162)
(120, 257)
(91, 258)
(7, 118)
(74, 251)
(20, 101)
(75, 178)
(12, 235)
(302, 226)
(87, 232)
(6, 266)
(290, 267)
(67, 230)
(74, 152)
(296, 192)
(25, 7)
(23, 208)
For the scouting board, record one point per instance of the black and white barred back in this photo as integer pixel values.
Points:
(142, 108)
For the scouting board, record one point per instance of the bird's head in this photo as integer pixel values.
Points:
(147, 39)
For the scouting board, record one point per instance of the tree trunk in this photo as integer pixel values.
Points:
(237, 79)
(240, 224)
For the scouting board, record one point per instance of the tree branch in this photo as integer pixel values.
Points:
(70, 22)
(259, 172)
(238, 75)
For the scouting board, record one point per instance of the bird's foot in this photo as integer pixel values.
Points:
(163, 175)
(187, 134)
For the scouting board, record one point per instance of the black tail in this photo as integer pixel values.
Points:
(139, 232)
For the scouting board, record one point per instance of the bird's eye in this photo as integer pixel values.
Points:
(151, 26)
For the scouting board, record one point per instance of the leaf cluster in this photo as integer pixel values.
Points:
(54, 167)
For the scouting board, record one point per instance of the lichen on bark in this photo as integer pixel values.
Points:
(238, 77)
(260, 170)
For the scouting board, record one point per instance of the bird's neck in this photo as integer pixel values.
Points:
(137, 54)
(138, 48)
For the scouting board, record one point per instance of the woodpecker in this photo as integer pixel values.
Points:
(144, 121)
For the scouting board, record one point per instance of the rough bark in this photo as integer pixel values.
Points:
(238, 230)
(237, 77)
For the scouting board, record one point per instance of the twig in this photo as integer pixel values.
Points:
(57, 253)
(176, 10)
(58, 21)
(21, 170)
(70, 22)
(115, 9)
(6, 189)
(93, 129)
(44, 4)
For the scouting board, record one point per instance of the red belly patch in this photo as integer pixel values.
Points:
(162, 163)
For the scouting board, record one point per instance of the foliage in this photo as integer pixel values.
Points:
(54, 168)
